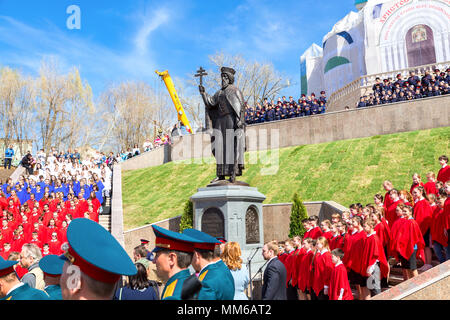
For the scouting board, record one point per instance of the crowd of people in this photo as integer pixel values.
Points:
(56, 189)
(159, 141)
(358, 247)
(413, 88)
(285, 109)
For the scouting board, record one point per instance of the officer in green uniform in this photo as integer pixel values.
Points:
(217, 280)
(94, 262)
(172, 256)
(52, 266)
(12, 289)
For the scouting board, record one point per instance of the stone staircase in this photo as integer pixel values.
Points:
(396, 275)
(105, 216)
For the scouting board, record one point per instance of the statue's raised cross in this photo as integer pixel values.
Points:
(201, 73)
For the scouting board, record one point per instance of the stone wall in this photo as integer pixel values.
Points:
(420, 114)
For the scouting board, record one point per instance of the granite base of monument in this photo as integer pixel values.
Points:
(234, 212)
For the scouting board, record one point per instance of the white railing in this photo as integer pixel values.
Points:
(368, 81)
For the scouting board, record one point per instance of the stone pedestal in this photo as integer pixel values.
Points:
(233, 212)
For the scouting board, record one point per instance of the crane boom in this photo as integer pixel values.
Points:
(176, 101)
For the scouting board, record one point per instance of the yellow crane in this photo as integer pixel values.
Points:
(176, 101)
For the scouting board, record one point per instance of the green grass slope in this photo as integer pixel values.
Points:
(343, 171)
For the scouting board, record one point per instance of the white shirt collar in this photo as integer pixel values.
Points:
(323, 251)
(369, 235)
(337, 264)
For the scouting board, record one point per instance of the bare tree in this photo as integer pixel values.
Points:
(131, 108)
(16, 104)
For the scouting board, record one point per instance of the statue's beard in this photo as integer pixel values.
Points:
(225, 84)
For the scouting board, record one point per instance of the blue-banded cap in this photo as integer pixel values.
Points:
(202, 239)
(52, 265)
(96, 252)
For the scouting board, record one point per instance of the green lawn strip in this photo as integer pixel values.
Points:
(343, 171)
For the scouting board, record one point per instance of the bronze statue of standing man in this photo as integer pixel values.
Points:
(227, 113)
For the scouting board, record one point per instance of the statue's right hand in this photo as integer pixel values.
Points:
(201, 89)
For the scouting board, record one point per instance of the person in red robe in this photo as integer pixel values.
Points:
(391, 216)
(315, 232)
(6, 231)
(374, 265)
(417, 182)
(423, 213)
(54, 244)
(430, 186)
(325, 226)
(444, 172)
(45, 250)
(291, 292)
(439, 237)
(35, 239)
(335, 237)
(323, 267)
(339, 285)
(304, 277)
(295, 262)
(408, 242)
(446, 214)
(6, 250)
(388, 186)
(354, 252)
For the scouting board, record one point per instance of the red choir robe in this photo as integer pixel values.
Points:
(348, 241)
(444, 174)
(55, 247)
(373, 251)
(383, 233)
(447, 213)
(323, 266)
(31, 203)
(391, 215)
(338, 281)
(438, 226)
(7, 234)
(303, 282)
(356, 250)
(45, 253)
(387, 201)
(96, 204)
(328, 235)
(422, 214)
(315, 233)
(93, 215)
(430, 187)
(332, 243)
(282, 257)
(17, 242)
(48, 232)
(63, 234)
(288, 264)
(406, 237)
(296, 265)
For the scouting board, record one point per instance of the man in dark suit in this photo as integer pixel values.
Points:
(274, 279)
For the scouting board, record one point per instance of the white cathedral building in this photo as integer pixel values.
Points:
(382, 36)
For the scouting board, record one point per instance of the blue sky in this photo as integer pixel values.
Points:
(130, 39)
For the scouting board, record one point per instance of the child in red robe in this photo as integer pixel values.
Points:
(430, 186)
(326, 229)
(374, 266)
(408, 242)
(296, 261)
(439, 237)
(323, 266)
(291, 292)
(416, 182)
(339, 285)
(423, 213)
(444, 172)
(304, 274)
(334, 239)
(315, 231)
(354, 252)
(390, 215)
